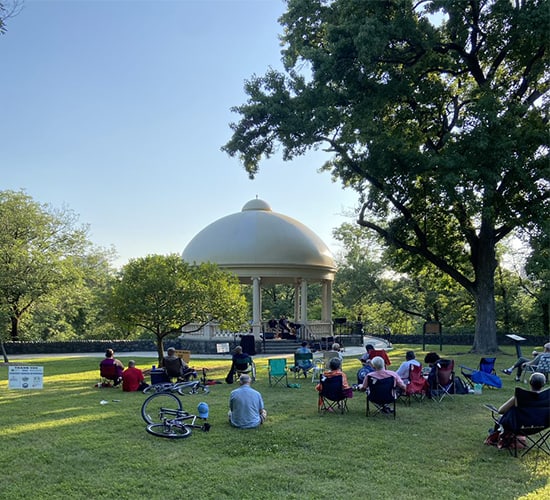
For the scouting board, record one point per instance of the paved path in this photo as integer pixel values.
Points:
(355, 351)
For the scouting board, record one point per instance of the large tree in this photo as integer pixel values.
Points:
(37, 246)
(434, 111)
(162, 294)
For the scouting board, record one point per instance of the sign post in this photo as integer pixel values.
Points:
(432, 328)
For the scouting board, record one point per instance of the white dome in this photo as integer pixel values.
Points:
(260, 242)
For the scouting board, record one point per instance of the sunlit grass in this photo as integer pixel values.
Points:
(60, 442)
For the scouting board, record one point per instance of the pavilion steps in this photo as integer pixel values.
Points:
(281, 346)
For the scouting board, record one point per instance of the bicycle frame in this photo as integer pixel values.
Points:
(166, 417)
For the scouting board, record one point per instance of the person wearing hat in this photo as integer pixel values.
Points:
(246, 406)
(540, 363)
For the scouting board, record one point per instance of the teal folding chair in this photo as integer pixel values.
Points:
(303, 362)
(277, 371)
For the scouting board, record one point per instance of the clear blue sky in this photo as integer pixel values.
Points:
(118, 109)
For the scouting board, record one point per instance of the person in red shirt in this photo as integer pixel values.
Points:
(132, 378)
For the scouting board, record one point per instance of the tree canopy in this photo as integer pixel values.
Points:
(38, 247)
(435, 112)
(162, 294)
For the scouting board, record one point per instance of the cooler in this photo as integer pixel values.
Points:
(158, 376)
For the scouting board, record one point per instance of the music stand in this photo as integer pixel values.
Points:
(517, 339)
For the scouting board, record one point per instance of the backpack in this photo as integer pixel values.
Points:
(460, 386)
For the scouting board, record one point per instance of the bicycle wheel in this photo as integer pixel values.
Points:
(188, 388)
(169, 431)
(151, 389)
(160, 405)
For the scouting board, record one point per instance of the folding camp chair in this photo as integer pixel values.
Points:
(383, 354)
(109, 373)
(328, 355)
(277, 371)
(245, 365)
(485, 374)
(303, 362)
(443, 384)
(543, 367)
(416, 388)
(381, 393)
(317, 370)
(530, 418)
(332, 397)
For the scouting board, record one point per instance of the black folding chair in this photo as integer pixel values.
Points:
(381, 393)
(530, 419)
(332, 397)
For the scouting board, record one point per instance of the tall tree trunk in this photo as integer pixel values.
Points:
(485, 339)
(4, 354)
(14, 328)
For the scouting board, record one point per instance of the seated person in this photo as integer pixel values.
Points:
(133, 379)
(335, 369)
(405, 368)
(507, 410)
(522, 362)
(431, 360)
(111, 368)
(241, 361)
(362, 372)
(175, 367)
(371, 352)
(246, 406)
(304, 364)
(380, 372)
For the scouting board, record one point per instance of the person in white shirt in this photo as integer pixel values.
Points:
(403, 370)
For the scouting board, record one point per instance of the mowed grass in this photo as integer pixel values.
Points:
(60, 442)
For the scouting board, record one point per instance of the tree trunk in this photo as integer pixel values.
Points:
(4, 354)
(160, 349)
(485, 339)
(14, 328)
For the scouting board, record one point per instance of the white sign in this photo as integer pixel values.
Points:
(25, 377)
(222, 348)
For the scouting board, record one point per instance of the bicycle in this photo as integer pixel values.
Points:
(165, 417)
(183, 387)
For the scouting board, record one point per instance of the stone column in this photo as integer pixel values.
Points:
(297, 316)
(256, 307)
(326, 303)
(303, 302)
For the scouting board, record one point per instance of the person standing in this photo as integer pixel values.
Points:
(246, 406)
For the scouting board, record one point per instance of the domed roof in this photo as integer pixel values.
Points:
(259, 242)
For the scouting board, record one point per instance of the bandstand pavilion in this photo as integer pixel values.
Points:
(262, 247)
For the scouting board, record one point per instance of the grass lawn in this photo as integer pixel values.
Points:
(60, 442)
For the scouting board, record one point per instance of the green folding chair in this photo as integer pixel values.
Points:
(303, 363)
(277, 371)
